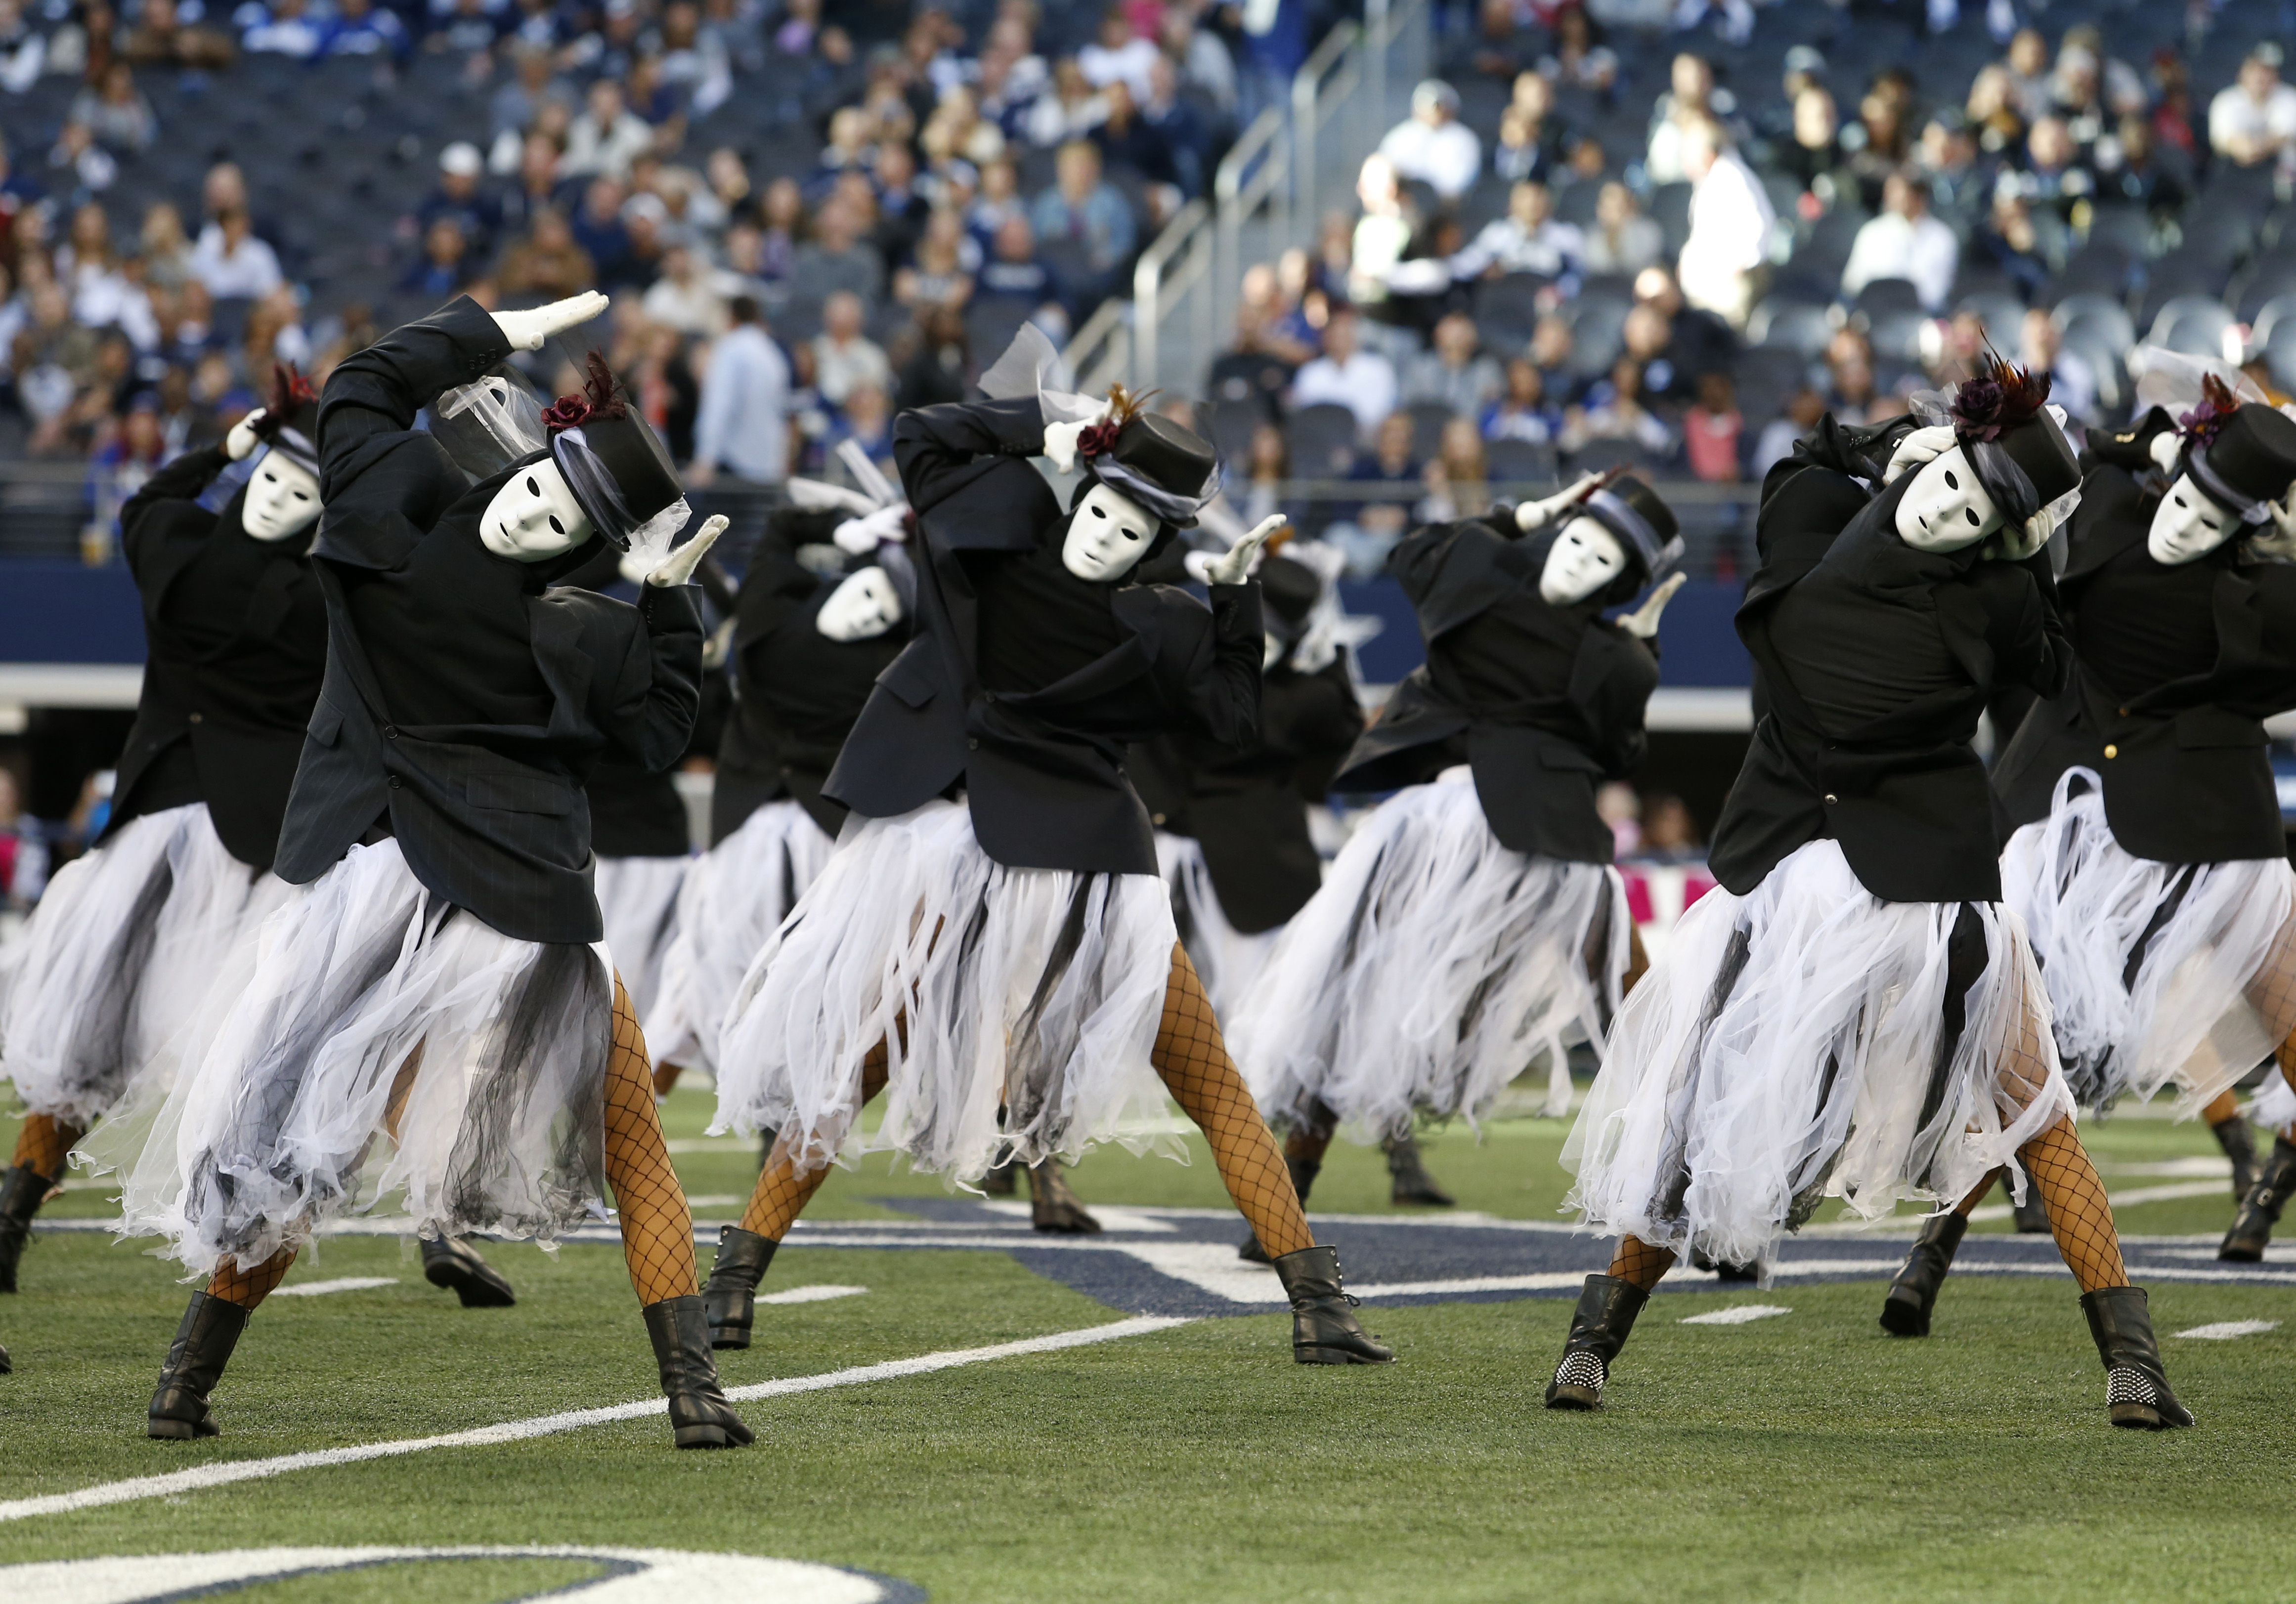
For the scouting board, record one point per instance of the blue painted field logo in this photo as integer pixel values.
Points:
(614, 1576)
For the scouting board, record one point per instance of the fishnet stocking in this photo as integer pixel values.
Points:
(1640, 1262)
(41, 1145)
(657, 1226)
(1202, 1079)
(2225, 1106)
(783, 1192)
(2079, 1217)
(1977, 1194)
(250, 1287)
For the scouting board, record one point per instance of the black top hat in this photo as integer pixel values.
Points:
(2003, 424)
(1288, 590)
(1632, 511)
(2249, 463)
(290, 423)
(616, 465)
(1167, 469)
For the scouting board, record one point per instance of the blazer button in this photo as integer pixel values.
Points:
(971, 745)
(1831, 798)
(2124, 712)
(395, 783)
(1155, 818)
(2112, 752)
(197, 719)
(391, 731)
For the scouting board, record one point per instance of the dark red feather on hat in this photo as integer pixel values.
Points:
(600, 397)
(2202, 424)
(2001, 397)
(291, 392)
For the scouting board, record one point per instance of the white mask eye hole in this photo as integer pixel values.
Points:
(556, 527)
(1100, 512)
(301, 497)
(1972, 514)
(1131, 533)
(532, 488)
(1951, 483)
(2181, 501)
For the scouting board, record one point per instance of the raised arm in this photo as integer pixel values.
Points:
(375, 394)
(934, 446)
(1216, 689)
(181, 480)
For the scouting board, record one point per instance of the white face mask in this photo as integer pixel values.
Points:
(1584, 559)
(534, 517)
(1944, 508)
(1107, 535)
(865, 605)
(2187, 525)
(282, 498)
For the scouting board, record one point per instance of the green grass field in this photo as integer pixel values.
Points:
(1804, 1457)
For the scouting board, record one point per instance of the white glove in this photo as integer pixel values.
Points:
(1236, 567)
(2017, 542)
(1060, 440)
(526, 331)
(858, 536)
(2162, 449)
(1917, 449)
(241, 439)
(1537, 514)
(2280, 540)
(1643, 622)
(678, 567)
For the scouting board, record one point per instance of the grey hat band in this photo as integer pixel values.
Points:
(2213, 486)
(1615, 513)
(1169, 505)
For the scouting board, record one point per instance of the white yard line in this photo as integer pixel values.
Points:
(342, 1283)
(222, 1474)
(1739, 1315)
(818, 1294)
(2225, 1330)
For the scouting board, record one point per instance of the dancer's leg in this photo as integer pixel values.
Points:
(2274, 1184)
(665, 1078)
(657, 1226)
(1307, 1134)
(2230, 1128)
(41, 1146)
(1600, 1324)
(43, 1143)
(1640, 1263)
(204, 1340)
(248, 1286)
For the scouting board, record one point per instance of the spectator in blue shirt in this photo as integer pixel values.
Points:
(1011, 270)
(361, 30)
(459, 197)
(1087, 211)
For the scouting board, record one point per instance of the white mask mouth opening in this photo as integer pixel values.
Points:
(1583, 559)
(2187, 526)
(534, 516)
(864, 606)
(1109, 533)
(282, 498)
(1944, 508)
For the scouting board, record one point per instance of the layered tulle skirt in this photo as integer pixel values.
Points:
(1017, 1007)
(1434, 967)
(1228, 961)
(386, 1045)
(2149, 965)
(124, 956)
(1791, 1044)
(638, 899)
(734, 898)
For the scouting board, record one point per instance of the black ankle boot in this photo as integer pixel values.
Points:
(1599, 1327)
(1053, 1206)
(22, 1191)
(209, 1330)
(1324, 1329)
(730, 1295)
(1906, 1311)
(2136, 1390)
(1303, 1172)
(453, 1263)
(2259, 1211)
(699, 1417)
(2238, 1140)
(1002, 1181)
(1724, 1271)
(1408, 1177)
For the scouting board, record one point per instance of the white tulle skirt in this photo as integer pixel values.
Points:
(2195, 934)
(734, 896)
(386, 1045)
(1227, 961)
(1033, 991)
(1786, 1048)
(1433, 968)
(638, 899)
(128, 948)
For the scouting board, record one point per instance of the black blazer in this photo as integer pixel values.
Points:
(1248, 807)
(1536, 780)
(796, 692)
(236, 637)
(491, 816)
(1043, 770)
(1904, 793)
(2187, 775)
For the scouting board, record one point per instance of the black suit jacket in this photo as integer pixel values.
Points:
(1904, 793)
(1248, 807)
(1537, 783)
(490, 816)
(236, 636)
(796, 692)
(2187, 779)
(1043, 770)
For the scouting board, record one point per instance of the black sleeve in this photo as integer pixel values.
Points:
(934, 444)
(1620, 702)
(1217, 687)
(648, 706)
(2029, 644)
(375, 394)
(180, 480)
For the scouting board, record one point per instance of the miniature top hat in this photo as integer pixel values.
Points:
(614, 462)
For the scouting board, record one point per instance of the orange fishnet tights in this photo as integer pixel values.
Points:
(657, 1226)
(1638, 1262)
(250, 1285)
(783, 1190)
(2079, 1217)
(41, 1145)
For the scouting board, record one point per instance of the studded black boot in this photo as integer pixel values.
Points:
(204, 1339)
(1324, 1329)
(1599, 1328)
(730, 1295)
(2259, 1211)
(699, 1416)
(1906, 1311)
(1303, 1172)
(2238, 1140)
(2136, 1390)
(1053, 1206)
(1409, 1180)
(453, 1263)
(22, 1191)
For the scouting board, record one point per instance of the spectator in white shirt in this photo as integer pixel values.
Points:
(606, 138)
(1433, 145)
(1345, 375)
(2254, 121)
(232, 262)
(1905, 242)
(1730, 224)
(1527, 240)
(1120, 55)
(843, 356)
(742, 424)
